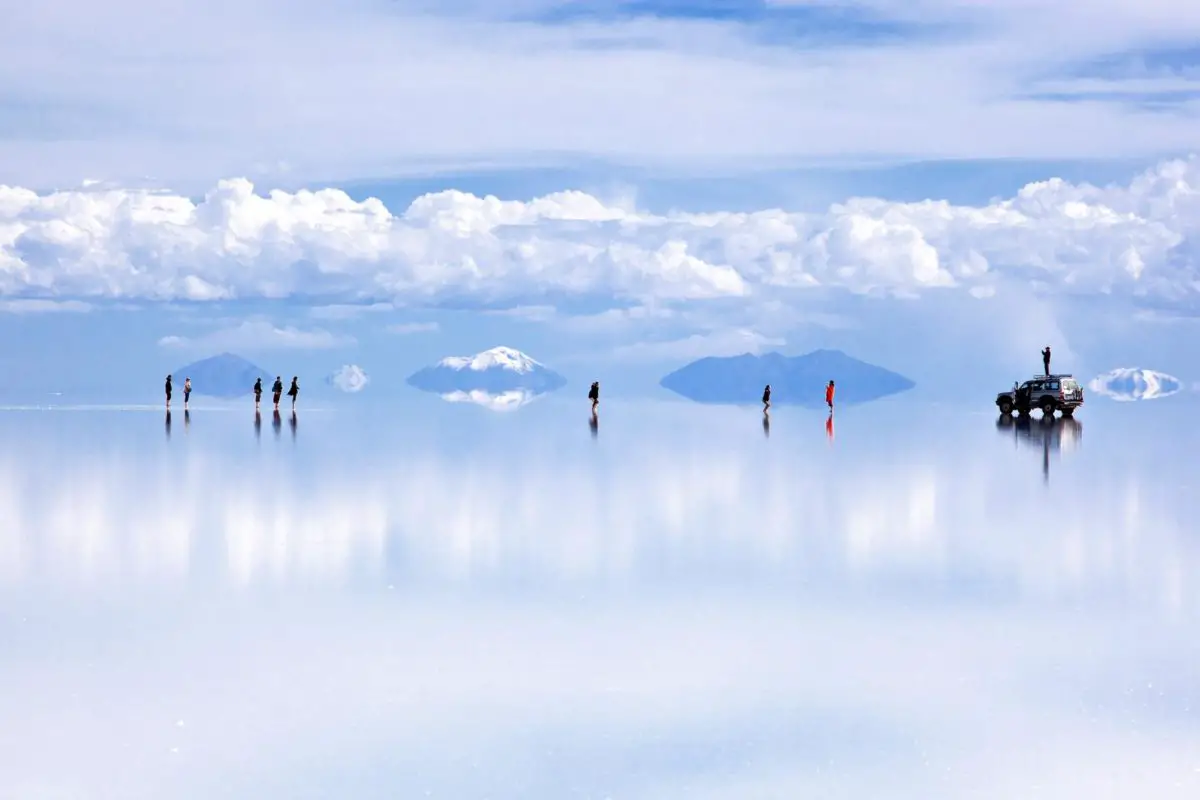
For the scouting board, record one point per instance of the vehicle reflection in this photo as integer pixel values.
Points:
(1062, 434)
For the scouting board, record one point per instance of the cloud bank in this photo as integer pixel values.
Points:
(1138, 242)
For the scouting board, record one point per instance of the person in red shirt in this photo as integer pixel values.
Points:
(829, 395)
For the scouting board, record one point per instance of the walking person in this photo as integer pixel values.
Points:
(594, 396)
(257, 394)
(168, 391)
(187, 394)
(829, 396)
(277, 391)
(766, 398)
(1046, 361)
(294, 392)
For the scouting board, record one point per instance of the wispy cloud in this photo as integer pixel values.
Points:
(29, 306)
(406, 328)
(259, 335)
(344, 311)
(750, 83)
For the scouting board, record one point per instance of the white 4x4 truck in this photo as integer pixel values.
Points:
(1049, 393)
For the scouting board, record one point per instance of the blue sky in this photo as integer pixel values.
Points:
(671, 180)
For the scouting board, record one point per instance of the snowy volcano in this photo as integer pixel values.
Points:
(493, 372)
(1127, 384)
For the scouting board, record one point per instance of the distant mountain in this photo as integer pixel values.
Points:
(1127, 384)
(495, 371)
(225, 375)
(798, 380)
(498, 401)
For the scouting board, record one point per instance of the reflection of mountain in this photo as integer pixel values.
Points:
(225, 375)
(1127, 384)
(496, 371)
(800, 380)
(495, 401)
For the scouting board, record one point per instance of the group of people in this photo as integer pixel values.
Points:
(766, 397)
(276, 392)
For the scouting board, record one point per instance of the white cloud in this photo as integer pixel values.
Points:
(349, 378)
(343, 311)
(29, 306)
(259, 335)
(404, 328)
(1127, 384)
(1135, 243)
(187, 93)
(722, 343)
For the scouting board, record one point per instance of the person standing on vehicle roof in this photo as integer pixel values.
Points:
(1046, 360)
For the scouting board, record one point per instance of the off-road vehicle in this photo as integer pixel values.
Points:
(1049, 393)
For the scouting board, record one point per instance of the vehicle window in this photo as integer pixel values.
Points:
(1052, 386)
(1035, 386)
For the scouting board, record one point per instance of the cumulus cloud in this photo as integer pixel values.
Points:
(1139, 242)
(349, 378)
(259, 335)
(404, 328)
(1126, 384)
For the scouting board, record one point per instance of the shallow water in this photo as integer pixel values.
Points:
(437, 600)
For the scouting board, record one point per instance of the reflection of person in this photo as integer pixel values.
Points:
(594, 395)
(168, 423)
(292, 425)
(767, 397)
(829, 395)
(1046, 360)
(829, 427)
(766, 424)
(594, 424)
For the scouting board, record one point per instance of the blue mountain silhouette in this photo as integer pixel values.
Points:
(798, 380)
(224, 375)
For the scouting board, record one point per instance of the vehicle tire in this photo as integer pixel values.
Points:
(1006, 407)
(1047, 410)
(1068, 412)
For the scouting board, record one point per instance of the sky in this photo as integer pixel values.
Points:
(934, 185)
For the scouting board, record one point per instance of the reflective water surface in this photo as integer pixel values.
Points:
(666, 601)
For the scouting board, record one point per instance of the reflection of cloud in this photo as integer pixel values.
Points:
(349, 378)
(1126, 384)
(546, 514)
(496, 401)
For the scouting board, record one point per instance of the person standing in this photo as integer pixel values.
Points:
(168, 391)
(187, 393)
(1046, 361)
(766, 398)
(829, 396)
(294, 392)
(257, 394)
(594, 395)
(277, 392)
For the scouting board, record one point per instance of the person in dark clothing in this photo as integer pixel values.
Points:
(594, 395)
(257, 394)
(277, 391)
(168, 391)
(187, 392)
(1046, 360)
(766, 398)
(294, 392)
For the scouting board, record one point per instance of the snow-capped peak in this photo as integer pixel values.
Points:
(496, 358)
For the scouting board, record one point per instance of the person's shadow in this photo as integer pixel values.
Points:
(594, 424)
